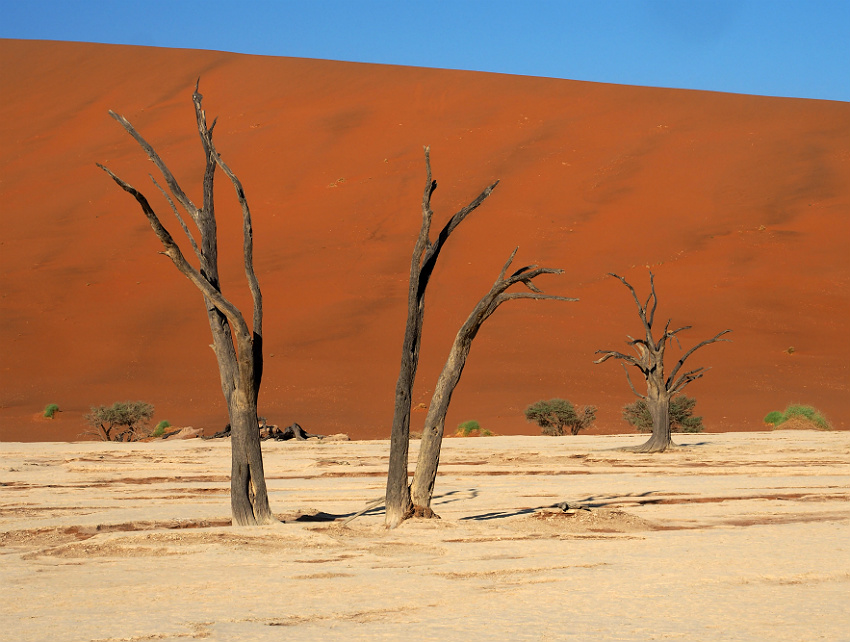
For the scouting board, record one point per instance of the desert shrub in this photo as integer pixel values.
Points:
(466, 428)
(159, 431)
(556, 415)
(50, 410)
(799, 412)
(773, 418)
(132, 416)
(471, 428)
(681, 414)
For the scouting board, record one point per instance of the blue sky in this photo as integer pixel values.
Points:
(797, 48)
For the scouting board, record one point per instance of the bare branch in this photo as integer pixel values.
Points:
(523, 269)
(172, 183)
(172, 250)
(652, 297)
(716, 338)
(641, 308)
(179, 219)
(533, 295)
(247, 241)
(434, 248)
(629, 379)
(613, 354)
(671, 334)
(209, 156)
(507, 265)
(686, 378)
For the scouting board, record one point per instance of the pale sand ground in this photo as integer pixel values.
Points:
(742, 536)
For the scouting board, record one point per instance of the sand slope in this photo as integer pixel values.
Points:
(738, 203)
(741, 536)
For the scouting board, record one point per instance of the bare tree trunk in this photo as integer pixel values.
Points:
(425, 255)
(238, 348)
(661, 438)
(649, 359)
(422, 486)
(248, 495)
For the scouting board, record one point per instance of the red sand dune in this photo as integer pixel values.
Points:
(740, 205)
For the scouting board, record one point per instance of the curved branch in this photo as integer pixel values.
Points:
(172, 250)
(629, 379)
(180, 220)
(641, 308)
(534, 296)
(613, 354)
(172, 183)
(716, 338)
(433, 251)
(686, 378)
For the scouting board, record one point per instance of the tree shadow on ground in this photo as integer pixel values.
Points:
(588, 503)
(673, 448)
(378, 509)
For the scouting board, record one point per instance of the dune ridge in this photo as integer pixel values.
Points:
(739, 204)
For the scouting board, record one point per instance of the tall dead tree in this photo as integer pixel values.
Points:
(425, 255)
(422, 486)
(649, 359)
(238, 348)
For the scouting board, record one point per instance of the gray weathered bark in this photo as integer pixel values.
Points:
(238, 348)
(425, 255)
(422, 486)
(650, 362)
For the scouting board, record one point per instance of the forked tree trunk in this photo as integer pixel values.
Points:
(649, 359)
(425, 255)
(238, 348)
(422, 486)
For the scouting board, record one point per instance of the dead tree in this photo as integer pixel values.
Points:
(238, 347)
(422, 486)
(649, 359)
(425, 254)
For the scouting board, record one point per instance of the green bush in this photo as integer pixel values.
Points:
(556, 415)
(466, 428)
(774, 418)
(159, 431)
(803, 413)
(130, 415)
(50, 410)
(680, 411)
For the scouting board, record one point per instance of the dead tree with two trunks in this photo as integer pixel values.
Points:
(238, 347)
(399, 504)
(425, 255)
(649, 359)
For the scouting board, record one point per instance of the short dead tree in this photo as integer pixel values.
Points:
(238, 347)
(649, 359)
